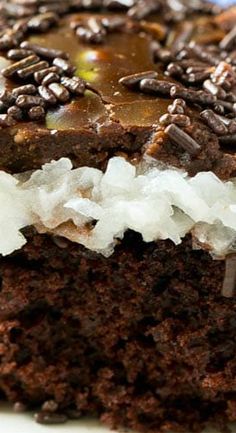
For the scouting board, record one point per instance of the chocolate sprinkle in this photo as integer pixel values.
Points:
(18, 54)
(64, 65)
(27, 101)
(27, 89)
(30, 70)
(15, 112)
(52, 77)
(149, 85)
(36, 113)
(131, 81)
(6, 120)
(177, 107)
(198, 96)
(227, 140)
(60, 92)
(214, 122)
(40, 75)
(48, 418)
(19, 407)
(177, 119)
(20, 65)
(229, 284)
(75, 85)
(7, 98)
(47, 53)
(180, 138)
(50, 406)
(42, 22)
(229, 40)
(47, 95)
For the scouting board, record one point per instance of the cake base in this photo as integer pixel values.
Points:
(142, 339)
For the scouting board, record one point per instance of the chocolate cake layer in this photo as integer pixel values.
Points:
(144, 338)
(113, 116)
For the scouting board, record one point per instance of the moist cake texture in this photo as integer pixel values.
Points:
(143, 337)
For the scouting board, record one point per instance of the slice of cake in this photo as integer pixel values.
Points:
(118, 211)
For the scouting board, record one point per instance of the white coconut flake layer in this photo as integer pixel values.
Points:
(157, 202)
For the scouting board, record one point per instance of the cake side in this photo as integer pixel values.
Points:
(143, 338)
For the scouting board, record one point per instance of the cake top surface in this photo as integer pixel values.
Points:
(118, 76)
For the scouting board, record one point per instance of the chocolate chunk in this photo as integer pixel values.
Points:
(12, 69)
(59, 91)
(180, 138)
(47, 53)
(229, 284)
(133, 80)
(149, 85)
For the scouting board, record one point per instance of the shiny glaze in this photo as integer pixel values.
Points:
(102, 66)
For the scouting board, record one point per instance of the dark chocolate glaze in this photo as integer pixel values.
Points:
(111, 119)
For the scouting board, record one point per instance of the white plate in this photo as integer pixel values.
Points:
(11, 422)
(24, 423)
